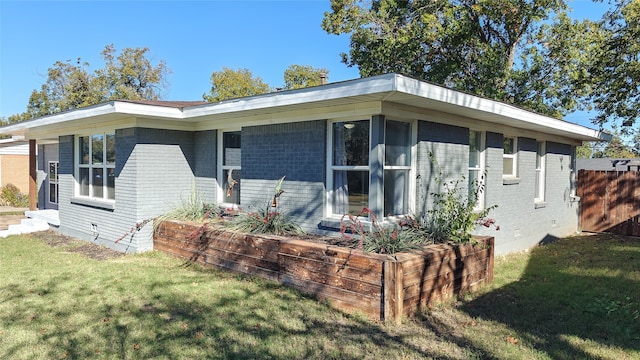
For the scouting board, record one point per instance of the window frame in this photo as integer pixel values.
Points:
(540, 169)
(331, 167)
(479, 168)
(55, 181)
(514, 156)
(222, 168)
(105, 166)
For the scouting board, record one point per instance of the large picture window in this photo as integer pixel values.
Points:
(350, 168)
(96, 166)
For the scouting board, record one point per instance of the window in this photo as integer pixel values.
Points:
(231, 167)
(476, 167)
(540, 173)
(397, 165)
(350, 168)
(96, 166)
(53, 182)
(509, 157)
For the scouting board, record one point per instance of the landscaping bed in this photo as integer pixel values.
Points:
(384, 287)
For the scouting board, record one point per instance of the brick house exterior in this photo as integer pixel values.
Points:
(367, 142)
(14, 164)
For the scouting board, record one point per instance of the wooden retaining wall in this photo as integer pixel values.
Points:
(383, 287)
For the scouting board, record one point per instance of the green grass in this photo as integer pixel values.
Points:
(577, 298)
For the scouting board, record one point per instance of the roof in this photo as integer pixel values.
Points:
(343, 98)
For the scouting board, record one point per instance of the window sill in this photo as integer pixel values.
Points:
(98, 204)
(540, 205)
(510, 180)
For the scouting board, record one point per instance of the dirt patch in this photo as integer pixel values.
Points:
(70, 244)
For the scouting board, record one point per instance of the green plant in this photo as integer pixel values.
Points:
(193, 208)
(10, 195)
(382, 238)
(267, 220)
(454, 215)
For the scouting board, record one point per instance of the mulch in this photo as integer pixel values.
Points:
(70, 244)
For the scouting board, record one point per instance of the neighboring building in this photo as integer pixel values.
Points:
(608, 164)
(342, 146)
(14, 163)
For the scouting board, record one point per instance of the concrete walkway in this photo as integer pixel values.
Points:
(14, 221)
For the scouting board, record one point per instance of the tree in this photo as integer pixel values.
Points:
(131, 75)
(469, 46)
(616, 148)
(613, 70)
(231, 84)
(584, 151)
(299, 76)
(70, 85)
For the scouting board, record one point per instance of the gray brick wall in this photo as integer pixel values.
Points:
(154, 172)
(449, 146)
(205, 149)
(296, 150)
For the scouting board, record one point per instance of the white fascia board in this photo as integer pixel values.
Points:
(516, 115)
(340, 90)
(112, 107)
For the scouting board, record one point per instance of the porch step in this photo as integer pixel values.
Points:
(25, 226)
(6, 220)
(50, 216)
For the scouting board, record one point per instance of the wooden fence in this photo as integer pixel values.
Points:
(609, 201)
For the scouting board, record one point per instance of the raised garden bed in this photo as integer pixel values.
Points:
(384, 287)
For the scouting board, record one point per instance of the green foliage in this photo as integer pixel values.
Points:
(380, 238)
(231, 84)
(71, 84)
(454, 215)
(468, 46)
(267, 220)
(298, 76)
(10, 195)
(192, 208)
(584, 151)
(613, 67)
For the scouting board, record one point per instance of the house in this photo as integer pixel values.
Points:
(14, 163)
(342, 146)
(608, 164)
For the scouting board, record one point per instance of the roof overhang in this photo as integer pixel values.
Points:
(389, 88)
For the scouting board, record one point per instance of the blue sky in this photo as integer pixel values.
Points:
(194, 38)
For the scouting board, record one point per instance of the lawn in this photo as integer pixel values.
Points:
(577, 298)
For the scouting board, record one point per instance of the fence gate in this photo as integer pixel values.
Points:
(609, 201)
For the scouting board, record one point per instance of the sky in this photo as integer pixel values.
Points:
(194, 38)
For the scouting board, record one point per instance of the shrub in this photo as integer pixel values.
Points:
(267, 220)
(383, 238)
(10, 195)
(454, 215)
(193, 208)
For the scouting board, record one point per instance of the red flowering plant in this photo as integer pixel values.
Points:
(379, 237)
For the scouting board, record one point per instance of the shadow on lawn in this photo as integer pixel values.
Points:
(573, 290)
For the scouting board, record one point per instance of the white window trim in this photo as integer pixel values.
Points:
(55, 181)
(89, 199)
(411, 198)
(541, 175)
(482, 164)
(514, 156)
(222, 169)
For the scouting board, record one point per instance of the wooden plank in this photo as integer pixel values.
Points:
(393, 292)
(292, 269)
(296, 263)
(337, 255)
(241, 267)
(333, 293)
